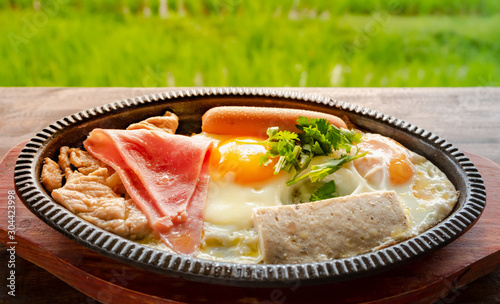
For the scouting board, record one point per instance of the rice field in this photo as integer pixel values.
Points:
(249, 43)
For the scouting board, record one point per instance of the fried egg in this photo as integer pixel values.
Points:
(239, 184)
(426, 193)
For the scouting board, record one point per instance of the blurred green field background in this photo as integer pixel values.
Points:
(144, 43)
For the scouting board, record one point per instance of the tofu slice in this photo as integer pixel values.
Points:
(329, 229)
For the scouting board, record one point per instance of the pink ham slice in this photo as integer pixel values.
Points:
(165, 174)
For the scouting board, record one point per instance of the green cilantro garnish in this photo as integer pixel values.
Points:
(318, 138)
(318, 172)
(326, 191)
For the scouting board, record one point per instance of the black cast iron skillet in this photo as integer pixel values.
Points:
(189, 106)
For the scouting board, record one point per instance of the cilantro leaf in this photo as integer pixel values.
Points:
(318, 172)
(318, 137)
(326, 191)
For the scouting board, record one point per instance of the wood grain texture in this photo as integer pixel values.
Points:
(440, 275)
(467, 117)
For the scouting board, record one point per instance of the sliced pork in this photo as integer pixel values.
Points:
(94, 192)
(51, 175)
(168, 123)
(89, 197)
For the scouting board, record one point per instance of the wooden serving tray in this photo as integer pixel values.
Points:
(442, 273)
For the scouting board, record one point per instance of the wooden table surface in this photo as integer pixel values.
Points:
(467, 117)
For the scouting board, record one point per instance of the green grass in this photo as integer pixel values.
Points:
(240, 43)
(336, 7)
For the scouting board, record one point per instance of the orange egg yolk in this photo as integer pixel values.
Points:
(399, 166)
(400, 169)
(238, 159)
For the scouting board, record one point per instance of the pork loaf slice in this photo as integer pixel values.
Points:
(328, 229)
